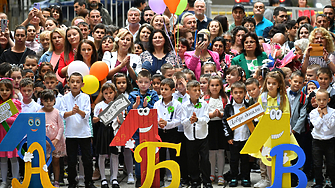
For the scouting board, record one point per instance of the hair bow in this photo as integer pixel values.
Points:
(6, 78)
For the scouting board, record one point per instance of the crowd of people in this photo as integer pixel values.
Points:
(195, 70)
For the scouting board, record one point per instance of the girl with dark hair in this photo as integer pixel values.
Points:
(159, 52)
(251, 56)
(139, 48)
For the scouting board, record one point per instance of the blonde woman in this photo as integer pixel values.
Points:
(215, 29)
(323, 37)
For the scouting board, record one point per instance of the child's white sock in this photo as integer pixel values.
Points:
(128, 160)
(102, 166)
(114, 162)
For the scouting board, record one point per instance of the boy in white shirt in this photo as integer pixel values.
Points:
(27, 90)
(76, 110)
(169, 114)
(195, 117)
(323, 133)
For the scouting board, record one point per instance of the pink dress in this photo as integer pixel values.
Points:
(10, 121)
(54, 130)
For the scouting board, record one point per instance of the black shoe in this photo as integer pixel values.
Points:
(184, 182)
(317, 186)
(115, 184)
(233, 183)
(90, 185)
(207, 185)
(246, 183)
(195, 185)
(138, 182)
(104, 183)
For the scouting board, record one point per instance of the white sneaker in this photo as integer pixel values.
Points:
(262, 183)
(81, 182)
(3, 185)
(131, 179)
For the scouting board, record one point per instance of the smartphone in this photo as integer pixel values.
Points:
(37, 5)
(4, 23)
(201, 37)
(317, 50)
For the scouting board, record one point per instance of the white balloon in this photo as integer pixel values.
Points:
(78, 66)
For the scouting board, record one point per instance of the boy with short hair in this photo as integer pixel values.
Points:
(27, 91)
(142, 98)
(253, 89)
(169, 114)
(238, 137)
(51, 82)
(38, 87)
(31, 63)
(75, 110)
(194, 118)
(156, 80)
(167, 70)
(323, 119)
(311, 73)
(4, 68)
(27, 73)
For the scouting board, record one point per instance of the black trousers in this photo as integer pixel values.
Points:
(236, 157)
(171, 137)
(322, 148)
(182, 159)
(196, 148)
(72, 152)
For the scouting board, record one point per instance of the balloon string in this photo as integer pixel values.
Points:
(167, 33)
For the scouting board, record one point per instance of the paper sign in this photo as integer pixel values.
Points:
(114, 109)
(245, 116)
(7, 110)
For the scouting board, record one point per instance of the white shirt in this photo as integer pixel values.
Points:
(31, 107)
(173, 118)
(110, 59)
(76, 126)
(183, 98)
(101, 105)
(136, 33)
(214, 104)
(324, 128)
(199, 129)
(242, 133)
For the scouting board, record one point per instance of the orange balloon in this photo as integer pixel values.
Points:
(100, 70)
(172, 5)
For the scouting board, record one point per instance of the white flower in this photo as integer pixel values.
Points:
(130, 144)
(116, 39)
(27, 157)
(45, 168)
(285, 158)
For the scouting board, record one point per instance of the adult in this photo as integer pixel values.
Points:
(31, 43)
(157, 22)
(250, 23)
(229, 38)
(195, 59)
(122, 58)
(237, 45)
(85, 30)
(199, 12)
(329, 11)
(35, 18)
(215, 29)
(303, 20)
(99, 31)
(252, 56)
(144, 34)
(79, 5)
(87, 53)
(189, 22)
(147, 15)
(46, 12)
(5, 41)
(159, 52)
(300, 47)
(291, 29)
(304, 31)
(219, 45)
(17, 54)
(96, 5)
(56, 47)
(308, 13)
(261, 22)
(51, 24)
(72, 39)
(320, 36)
(56, 12)
(268, 13)
(281, 39)
(94, 18)
(187, 34)
(45, 42)
(183, 46)
(238, 13)
(76, 20)
(105, 45)
(279, 16)
(140, 4)
(133, 17)
(223, 21)
(322, 21)
(189, 9)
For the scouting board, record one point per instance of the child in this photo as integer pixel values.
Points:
(31, 63)
(124, 87)
(233, 74)
(217, 100)
(76, 110)
(287, 71)
(142, 98)
(16, 75)
(311, 73)
(167, 70)
(209, 67)
(4, 68)
(238, 137)
(54, 130)
(189, 75)
(51, 82)
(311, 86)
(27, 73)
(260, 74)
(323, 119)
(38, 87)
(253, 89)
(6, 93)
(44, 68)
(27, 90)
(156, 80)
(169, 114)
(105, 136)
(194, 118)
(204, 84)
